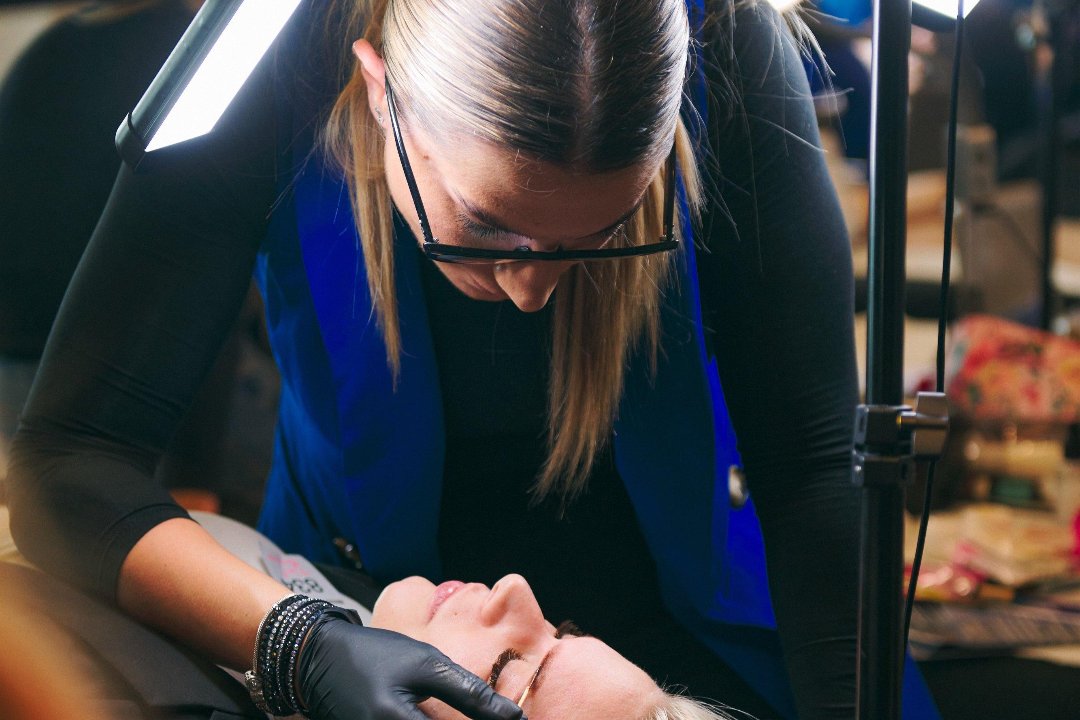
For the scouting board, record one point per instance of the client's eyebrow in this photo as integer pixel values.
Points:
(502, 661)
(485, 218)
(538, 676)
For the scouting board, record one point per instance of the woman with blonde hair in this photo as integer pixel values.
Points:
(510, 250)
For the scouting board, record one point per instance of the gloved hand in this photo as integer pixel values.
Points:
(349, 672)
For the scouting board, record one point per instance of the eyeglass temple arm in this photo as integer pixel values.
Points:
(421, 213)
(669, 190)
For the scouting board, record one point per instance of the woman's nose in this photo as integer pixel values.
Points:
(530, 284)
(511, 600)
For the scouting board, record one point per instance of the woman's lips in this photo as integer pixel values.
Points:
(442, 592)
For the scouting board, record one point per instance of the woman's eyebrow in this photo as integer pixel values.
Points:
(500, 662)
(538, 677)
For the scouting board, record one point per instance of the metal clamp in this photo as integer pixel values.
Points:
(888, 439)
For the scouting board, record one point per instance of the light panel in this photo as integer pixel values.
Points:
(223, 71)
(947, 7)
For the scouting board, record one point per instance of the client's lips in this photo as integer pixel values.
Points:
(442, 592)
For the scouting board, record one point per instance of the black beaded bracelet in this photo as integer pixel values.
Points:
(281, 622)
(271, 681)
(290, 647)
(254, 678)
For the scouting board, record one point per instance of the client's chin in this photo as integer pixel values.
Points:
(398, 599)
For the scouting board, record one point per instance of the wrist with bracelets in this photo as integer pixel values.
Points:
(272, 679)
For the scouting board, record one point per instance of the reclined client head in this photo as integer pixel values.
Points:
(501, 635)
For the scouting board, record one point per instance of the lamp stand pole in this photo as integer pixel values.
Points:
(889, 436)
(879, 468)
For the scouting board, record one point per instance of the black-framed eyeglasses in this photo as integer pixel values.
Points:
(437, 251)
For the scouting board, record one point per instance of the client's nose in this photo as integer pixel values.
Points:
(530, 284)
(511, 599)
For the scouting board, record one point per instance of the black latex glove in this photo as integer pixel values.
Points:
(349, 672)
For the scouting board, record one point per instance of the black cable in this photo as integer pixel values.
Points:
(946, 266)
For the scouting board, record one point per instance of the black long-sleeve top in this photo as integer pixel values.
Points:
(171, 259)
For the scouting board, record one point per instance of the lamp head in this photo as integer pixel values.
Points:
(947, 8)
(202, 75)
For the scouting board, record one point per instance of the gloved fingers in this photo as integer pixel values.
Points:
(465, 692)
(348, 672)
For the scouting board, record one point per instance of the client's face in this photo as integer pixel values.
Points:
(502, 632)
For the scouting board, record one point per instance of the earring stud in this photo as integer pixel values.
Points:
(378, 116)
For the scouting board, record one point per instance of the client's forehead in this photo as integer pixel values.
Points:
(587, 680)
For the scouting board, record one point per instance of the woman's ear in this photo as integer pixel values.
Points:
(374, 71)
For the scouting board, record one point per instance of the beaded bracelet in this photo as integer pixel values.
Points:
(271, 681)
(290, 648)
(255, 678)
